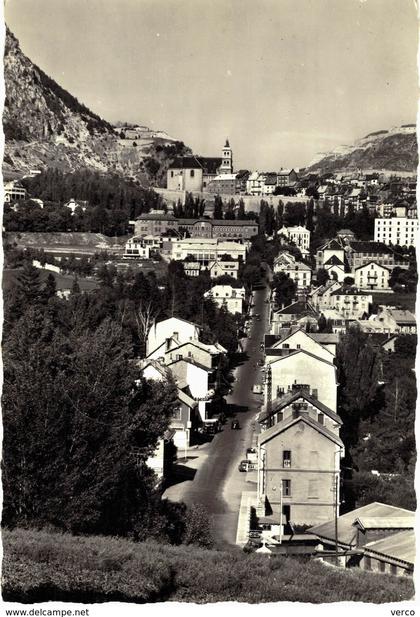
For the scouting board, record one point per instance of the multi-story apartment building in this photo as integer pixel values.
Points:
(215, 228)
(159, 223)
(297, 234)
(299, 451)
(350, 302)
(298, 271)
(226, 295)
(203, 250)
(361, 253)
(397, 230)
(136, 248)
(287, 177)
(372, 275)
(14, 191)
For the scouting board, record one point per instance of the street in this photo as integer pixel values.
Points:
(218, 484)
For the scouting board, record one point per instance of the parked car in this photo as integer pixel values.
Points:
(251, 455)
(257, 389)
(235, 425)
(243, 466)
(261, 363)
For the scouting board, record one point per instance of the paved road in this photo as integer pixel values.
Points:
(218, 484)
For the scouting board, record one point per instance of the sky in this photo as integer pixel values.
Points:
(283, 79)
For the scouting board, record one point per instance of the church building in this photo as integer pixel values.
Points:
(198, 173)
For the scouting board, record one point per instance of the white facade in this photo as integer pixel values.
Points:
(351, 304)
(204, 249)
(298, 234)
(299, 339)
(13, 192)
(299, 272)
(182, 330)
(300, 369)
(397, 230)
(372, 276)
(226, 295)
(136, 248)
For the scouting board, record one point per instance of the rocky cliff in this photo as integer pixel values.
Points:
(386, 150)
(45, 126)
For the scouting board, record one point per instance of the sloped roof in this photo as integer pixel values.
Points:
(350, 291)
(402, 316)
(296, 308)
(280, 427)
(401, 546)
(333, 261)
(294, 352)
(347, 532)
(208, 164)
(185, 398)
(193, 362)
(359, 246)
(372, 261)
(290, 397)
(325, 337)
(384, 522)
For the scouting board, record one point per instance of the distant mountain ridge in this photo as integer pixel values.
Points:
(384, 150)
(46, 126)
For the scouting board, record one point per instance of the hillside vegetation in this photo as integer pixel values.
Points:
(46, 126)
(382, 150)
(40, 566)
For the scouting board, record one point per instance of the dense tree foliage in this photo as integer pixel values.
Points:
(111, 202)
(79, 421)
(377, 401)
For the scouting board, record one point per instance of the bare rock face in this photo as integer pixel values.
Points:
(45, 126)
(386, 150)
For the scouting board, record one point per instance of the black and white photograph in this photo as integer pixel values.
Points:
(209, 307)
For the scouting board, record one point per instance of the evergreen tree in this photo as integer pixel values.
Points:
(218, 208)
(29, 284)
(75, 288)
(50, 287)
(241, 210)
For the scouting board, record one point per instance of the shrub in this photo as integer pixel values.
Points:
(40, 566)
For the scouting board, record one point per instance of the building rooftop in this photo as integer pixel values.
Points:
(290, 397)
(347, 532)
(401, 546)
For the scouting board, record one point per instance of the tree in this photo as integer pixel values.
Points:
(145, 314)
(284, 289)
(75, 288)
(29, 284)
(241, 210)
(322, 276)
(197, 527)
(50, 287)
(78, 430)
(218, 208)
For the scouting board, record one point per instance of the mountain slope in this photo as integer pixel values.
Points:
(394, 150)
(45, 126)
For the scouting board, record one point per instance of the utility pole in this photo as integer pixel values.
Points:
(336, 516)
(281, 513)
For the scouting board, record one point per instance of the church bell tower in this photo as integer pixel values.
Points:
(227, 163)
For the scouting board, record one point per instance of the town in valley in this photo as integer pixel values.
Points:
(208, 358)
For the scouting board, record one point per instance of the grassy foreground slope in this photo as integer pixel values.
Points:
(40, 566)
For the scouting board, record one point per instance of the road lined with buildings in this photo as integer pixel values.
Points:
(218, 484)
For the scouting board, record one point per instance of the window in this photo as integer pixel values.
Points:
(313, 488)
(368, 563)
(176, 415)
(172, 174)
(321, 418)
(287, 488)
(287, 458)
(393, 569)
(192, 173)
